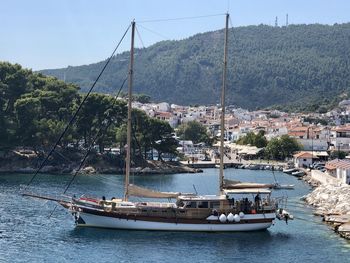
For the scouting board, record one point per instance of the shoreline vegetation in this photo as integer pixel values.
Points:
(35, 109)
(28, 161)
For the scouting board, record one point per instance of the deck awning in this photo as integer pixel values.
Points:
(229, 184)
(247, 191)
(135, 190)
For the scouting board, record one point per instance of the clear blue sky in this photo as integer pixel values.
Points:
(42, 34)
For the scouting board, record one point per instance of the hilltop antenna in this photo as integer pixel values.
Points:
(276, 22)
(286, 20)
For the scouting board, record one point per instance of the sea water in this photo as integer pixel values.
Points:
(27, 234)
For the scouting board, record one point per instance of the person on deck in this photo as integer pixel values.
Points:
(257, 201)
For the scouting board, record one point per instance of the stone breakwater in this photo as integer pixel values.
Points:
(333, 204)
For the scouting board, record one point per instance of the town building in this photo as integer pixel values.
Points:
(339, 169)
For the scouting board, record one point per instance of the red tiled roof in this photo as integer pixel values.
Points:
(334, 164)
(304, 155)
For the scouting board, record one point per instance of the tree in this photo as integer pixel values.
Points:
(289, 145)
(27, 111)
(337, 155)
(194, 131)
(97, 112)
(278, 67)
(143, 98)
(251, 138)
(281, 148)
(147, 134)
(162, 137)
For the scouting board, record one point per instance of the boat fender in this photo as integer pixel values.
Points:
(230, 217)
(236, 218)
(241, 214)
(222, 218)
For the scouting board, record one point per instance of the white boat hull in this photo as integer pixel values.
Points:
(91, 220)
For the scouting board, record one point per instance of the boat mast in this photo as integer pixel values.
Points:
(128, 138)
(221, 176)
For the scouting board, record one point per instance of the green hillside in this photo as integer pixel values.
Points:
(305, 67)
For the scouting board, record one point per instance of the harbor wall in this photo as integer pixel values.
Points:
(324, 178)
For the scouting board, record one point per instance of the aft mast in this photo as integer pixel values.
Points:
(221, 175)
(128, 138)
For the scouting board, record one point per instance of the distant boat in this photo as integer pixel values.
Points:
(290, 170)
(298, 173)
(283, 186)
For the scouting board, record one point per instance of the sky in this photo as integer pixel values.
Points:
(43, 34)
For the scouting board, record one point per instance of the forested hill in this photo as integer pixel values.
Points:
(301, 66)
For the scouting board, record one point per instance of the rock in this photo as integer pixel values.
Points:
(344, 227)
(337, 219)
(25, 170)
(147, 170)
(89, 170)
(332, 202)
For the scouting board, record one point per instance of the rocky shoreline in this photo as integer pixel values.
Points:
(333, 204)
(159, 168)
(28, 162)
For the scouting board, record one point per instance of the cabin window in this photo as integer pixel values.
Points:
(180, 203)
(215, 204)
(191, 205)
(203, 205)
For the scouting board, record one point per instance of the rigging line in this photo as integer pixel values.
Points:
(89, 149)
(62, 156)
(154, 32)
(178, 18)
(230, 21)
(94, 140)
(138, 34)
(77, 111)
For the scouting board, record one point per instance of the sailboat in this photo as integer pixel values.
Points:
(229, 210)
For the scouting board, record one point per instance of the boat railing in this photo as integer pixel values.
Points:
(156, 205)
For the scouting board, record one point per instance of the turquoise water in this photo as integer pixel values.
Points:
(28, 235)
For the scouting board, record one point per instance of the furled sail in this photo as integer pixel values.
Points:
(230, 184)
(227, 181)
(135, 190)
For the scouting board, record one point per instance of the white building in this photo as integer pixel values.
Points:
(303, 159)
(339, 169)
(314, 144)
(340, 139)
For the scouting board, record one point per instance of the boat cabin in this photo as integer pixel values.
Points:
(238, 200)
